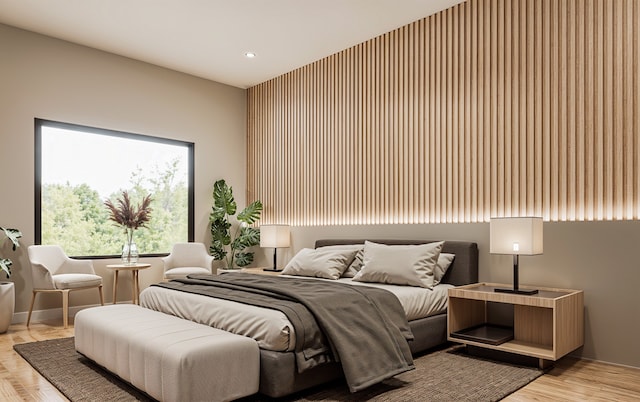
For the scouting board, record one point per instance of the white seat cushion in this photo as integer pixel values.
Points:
(74, 281)
(182, 272)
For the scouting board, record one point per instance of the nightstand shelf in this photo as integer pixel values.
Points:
(547, 325)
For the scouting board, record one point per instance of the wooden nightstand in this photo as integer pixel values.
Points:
(260, 271)
(547, 325)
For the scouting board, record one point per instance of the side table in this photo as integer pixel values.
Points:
(252, 270)
(261, 271)
(547, 325)
(134, 268)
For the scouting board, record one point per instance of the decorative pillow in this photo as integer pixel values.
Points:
(356, 263)
(350, 247)
(323, 262)
(412, 265)
(443, 264)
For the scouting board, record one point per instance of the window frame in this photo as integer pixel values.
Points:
(39, 123)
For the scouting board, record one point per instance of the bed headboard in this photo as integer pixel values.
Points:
(463, 270)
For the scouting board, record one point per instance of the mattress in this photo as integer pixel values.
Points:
(271, 328)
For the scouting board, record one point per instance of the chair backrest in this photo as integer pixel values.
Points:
(188, 255)
(50, 257)
(49, 260)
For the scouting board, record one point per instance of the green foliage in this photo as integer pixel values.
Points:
(248, 237)
(75, 218)
(251, 214)
(244, 259)
(223, 202)
(13, 235)
(224, 245)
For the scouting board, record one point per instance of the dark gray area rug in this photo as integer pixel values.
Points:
(444, 375)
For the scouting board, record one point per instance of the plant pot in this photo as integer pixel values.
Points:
(7, 305)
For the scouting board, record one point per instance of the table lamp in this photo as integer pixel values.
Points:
(516, 236)
(274, 236)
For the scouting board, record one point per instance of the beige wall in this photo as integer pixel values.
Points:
(52, 79)
(597, 257)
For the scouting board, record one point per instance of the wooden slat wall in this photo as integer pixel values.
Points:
(489, 108)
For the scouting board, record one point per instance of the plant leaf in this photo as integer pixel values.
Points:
(217, 250)
(248, 237)
(251, 213)
(244, 259)
(5, 265)
(13, 235)
(220, 237)
(220, 231)
(223, 202)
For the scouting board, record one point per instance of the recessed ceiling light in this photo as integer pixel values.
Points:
(250, 55)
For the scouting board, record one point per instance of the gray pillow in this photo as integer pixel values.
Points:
(412, 265)
(323, 262)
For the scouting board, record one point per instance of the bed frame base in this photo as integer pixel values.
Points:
(276, 379)
(278, 373)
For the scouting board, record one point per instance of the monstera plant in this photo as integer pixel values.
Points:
(7, 289)
(13, 235)
(229, 242)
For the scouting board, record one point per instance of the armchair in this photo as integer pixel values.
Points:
(186, 259)
(53, 271)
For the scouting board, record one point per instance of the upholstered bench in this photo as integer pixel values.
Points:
(169, 358)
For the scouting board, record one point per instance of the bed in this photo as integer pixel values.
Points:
(278, 373)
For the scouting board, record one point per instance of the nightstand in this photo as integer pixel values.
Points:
(547, 325)
(260, 271)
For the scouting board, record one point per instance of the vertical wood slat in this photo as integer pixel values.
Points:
(636, 112)
(490, 108)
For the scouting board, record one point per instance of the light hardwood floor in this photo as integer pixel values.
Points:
(570, 380)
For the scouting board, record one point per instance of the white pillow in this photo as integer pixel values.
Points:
(356, 263)
(443, 264)
(323, 262)
(412, 265)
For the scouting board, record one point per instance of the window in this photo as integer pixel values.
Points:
(77, 168)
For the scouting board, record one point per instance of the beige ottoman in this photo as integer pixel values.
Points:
(169, 358)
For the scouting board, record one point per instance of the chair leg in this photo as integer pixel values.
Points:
(33, 300)
(65, 307)
(101, 295)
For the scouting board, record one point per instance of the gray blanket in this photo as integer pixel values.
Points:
(364, 328)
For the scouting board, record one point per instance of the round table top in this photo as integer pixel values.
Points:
(130, 267)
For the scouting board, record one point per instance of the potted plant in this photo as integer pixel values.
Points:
(7, 289)
(130, 218)
(229, 243)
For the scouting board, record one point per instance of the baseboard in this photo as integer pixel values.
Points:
(45, 315)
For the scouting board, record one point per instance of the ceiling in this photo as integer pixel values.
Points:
(209, 38)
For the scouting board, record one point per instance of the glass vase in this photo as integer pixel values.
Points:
(130, 253)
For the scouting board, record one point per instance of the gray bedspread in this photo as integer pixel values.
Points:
(362, 327)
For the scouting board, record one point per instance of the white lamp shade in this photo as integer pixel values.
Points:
(521, 236)
(275, 236)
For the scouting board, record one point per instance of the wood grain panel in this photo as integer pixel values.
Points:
(489, 108)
